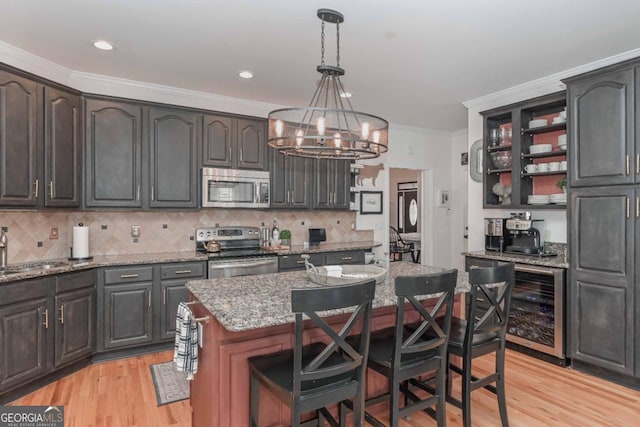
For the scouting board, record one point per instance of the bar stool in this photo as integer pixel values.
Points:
(402, 354)
(312, 377)
(488, 311)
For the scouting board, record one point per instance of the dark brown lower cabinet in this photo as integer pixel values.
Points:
(173, 293)
(602, 301)
(127, 315)
(45, 323)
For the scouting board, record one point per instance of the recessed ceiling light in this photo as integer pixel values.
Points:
(245, 74)
(345, 94)
(103, 45)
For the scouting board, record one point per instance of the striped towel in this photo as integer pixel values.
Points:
(185, 352)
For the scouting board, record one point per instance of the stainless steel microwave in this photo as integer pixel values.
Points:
(233, 188)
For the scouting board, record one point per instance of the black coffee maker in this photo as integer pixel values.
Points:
(525, 238)
(496, 236)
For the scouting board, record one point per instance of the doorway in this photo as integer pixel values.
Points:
(406, 206)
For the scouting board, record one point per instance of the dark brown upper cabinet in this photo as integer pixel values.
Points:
(20, 183)
(113, 144)
(236, 143)
(62, 142)
(173, 170)
(332, 180)
(291, 181)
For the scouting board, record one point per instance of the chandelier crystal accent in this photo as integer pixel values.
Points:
(328, 128)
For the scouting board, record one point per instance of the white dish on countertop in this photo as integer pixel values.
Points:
(538, 123)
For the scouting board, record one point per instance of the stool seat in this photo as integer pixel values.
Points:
(458, 331)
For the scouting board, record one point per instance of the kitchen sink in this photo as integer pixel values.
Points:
(46, 265)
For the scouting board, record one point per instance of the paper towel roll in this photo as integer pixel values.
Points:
(80, 242)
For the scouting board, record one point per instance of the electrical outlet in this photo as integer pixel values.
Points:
(53, 233)
(135, 231)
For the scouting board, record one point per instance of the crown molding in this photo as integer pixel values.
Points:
(542, 86)
(34, 64)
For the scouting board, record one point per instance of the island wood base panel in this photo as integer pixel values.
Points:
(220, 389)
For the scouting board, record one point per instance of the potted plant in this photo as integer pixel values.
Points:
(562, 184)
(285, 237)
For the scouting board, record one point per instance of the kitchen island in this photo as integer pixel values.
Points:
(250, 316)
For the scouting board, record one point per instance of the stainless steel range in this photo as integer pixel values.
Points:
(235, 251)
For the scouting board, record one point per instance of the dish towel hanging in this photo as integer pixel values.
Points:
(185, 352)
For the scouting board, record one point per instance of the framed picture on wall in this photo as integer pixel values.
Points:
(370, 202)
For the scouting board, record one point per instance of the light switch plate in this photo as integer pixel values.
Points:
(135, 231)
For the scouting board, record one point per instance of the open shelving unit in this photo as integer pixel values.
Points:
(516, 118)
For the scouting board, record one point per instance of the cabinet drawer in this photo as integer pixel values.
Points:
(345, 257)
(127, 275)
(295, 262)
(22, 290)
(173, 271)
(73, 281)
(479, 262)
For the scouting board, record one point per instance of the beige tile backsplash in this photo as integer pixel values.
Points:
(28, 229)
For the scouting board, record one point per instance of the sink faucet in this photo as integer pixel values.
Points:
(4, 247)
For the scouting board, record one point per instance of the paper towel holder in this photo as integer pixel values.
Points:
(72, 258)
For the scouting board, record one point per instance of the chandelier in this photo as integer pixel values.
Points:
(328, 128)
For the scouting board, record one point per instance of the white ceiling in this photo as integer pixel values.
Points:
(412, 62)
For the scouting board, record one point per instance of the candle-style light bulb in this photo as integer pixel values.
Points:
(337, 140)
(320, 125)
(376, 136)
(299, 135)
(279, 127)
(365, 130)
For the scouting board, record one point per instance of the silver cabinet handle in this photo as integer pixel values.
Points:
(46, 318)
(128, 276)
(152, 192)
(627, 163)
(637, 207)
(638, 163)
(628, 208)
(164, 296)
(150, 298)
(346, 258)
(183, 271)
(35, 184)
(61, 314)
(51, 189)
(138, 193)
(300, 262)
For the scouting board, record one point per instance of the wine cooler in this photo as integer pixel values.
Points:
(536, 319)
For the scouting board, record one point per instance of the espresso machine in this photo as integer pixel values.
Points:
(525, 239)
(496, 235)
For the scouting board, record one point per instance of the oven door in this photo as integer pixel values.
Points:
(242, 267)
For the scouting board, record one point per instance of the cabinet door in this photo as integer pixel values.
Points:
(300, 171)
(218, 135)
(113, 147)
(252, 144)
(342, 184)
(173, 158)
(323, 182)
(601, 289)
(127, 311)
(173, 293)
(279, 180)
(19, 184)
(332, 181)
(23, 336)
(62, 148)
(601, 120)
(75, 325)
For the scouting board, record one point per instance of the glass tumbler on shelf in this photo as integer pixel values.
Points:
(505, 136)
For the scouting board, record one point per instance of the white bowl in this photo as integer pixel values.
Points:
(540, 148)
(557, 120)
(537, 123)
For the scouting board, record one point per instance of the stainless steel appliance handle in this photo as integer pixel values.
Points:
(534, 270)
(243, 264)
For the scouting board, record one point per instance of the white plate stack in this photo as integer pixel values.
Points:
(558, 199)
(538, 199)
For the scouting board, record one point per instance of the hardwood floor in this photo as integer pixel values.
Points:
(121, 394)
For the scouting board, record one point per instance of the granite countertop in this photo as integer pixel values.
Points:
(328, 247)
(100, 261)
(559, 261)
(253, 302)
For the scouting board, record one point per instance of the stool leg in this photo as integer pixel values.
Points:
(449, 377)
(500, 389)
(394, 410)
(441, 385)
(466, 391)
(254, 392)
(358, 408)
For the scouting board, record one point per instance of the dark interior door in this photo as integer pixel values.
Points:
(410, 209)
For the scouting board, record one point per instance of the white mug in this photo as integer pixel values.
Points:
(531, 168)
(563, 165)
(543, 167)
(554, 166)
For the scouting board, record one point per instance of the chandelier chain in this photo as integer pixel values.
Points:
(322, 45)
(338, 44)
